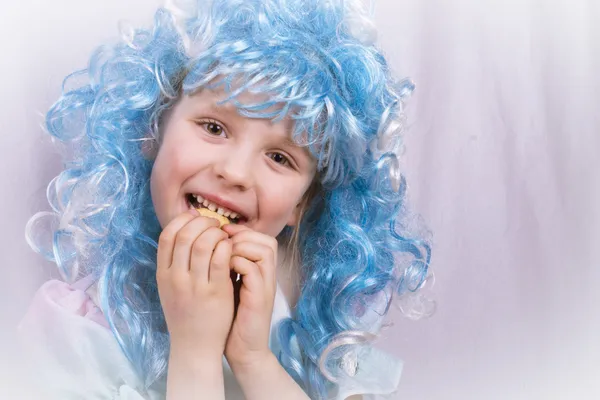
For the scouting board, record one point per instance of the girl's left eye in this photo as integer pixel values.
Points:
(279, 158)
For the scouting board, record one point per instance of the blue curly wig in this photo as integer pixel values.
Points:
(317, 62)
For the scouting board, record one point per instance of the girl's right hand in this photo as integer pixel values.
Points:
(194, 284)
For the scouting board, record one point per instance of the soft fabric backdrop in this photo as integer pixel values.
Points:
(502, 159)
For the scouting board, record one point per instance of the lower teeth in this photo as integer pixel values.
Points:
(194, 204)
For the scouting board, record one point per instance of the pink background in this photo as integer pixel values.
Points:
(503, 162)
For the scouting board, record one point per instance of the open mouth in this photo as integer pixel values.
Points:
(197, 201)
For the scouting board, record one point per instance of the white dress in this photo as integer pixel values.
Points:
(76, 356)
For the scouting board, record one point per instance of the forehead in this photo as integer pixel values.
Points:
(245, 105)
(219, 99)
(227, 90)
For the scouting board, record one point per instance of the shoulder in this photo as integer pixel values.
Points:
(66, 341)
(58, 302)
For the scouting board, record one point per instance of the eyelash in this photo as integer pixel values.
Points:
(204, 124)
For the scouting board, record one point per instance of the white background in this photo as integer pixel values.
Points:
(503, 162)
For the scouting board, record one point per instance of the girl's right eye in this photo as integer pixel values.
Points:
(212, 128)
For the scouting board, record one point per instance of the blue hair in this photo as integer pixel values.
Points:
(316, 61)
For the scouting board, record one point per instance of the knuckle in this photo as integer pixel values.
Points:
(218, 262)
(199, 247)
(273, 244)
(269, 251)
(185, 237)
(266, 253)
(235, 260)
(199, 291)
(216, 232)
(224, 243)
(161, 275)
(179, 283)
(165, 239)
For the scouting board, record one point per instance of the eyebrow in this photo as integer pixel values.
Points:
(304, 150)
(227, 109)
(211, 104)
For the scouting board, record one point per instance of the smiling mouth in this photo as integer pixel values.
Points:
(198, 202)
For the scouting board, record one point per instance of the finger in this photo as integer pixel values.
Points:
(256, 237)
(219, 263)
(186, 237)
(166, 240)
(233, 229)
(202, 251)
(251, 276)
(260, 254)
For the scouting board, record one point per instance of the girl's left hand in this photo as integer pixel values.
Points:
(254, 257)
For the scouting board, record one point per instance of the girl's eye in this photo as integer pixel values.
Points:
(279, 158)
(212, 128)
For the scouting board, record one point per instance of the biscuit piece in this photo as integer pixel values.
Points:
(205, 212)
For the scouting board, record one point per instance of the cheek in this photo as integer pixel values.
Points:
(280, 204)
(165, 182)
(156, 190)
(173, 164)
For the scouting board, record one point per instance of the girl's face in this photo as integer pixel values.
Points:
(244, 165)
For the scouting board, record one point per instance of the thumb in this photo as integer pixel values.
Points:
(233, 229)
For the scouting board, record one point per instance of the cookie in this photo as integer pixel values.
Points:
(205, 212)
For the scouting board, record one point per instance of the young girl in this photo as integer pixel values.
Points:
(283, 118)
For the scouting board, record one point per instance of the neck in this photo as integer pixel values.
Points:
(288, 278)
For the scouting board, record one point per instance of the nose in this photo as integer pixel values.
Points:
(234, 169)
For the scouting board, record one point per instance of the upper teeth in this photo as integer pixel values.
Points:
(216, 208)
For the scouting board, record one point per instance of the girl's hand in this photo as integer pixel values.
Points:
(195, 290)
(254, 257)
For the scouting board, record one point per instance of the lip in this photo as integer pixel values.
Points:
(223, 202)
